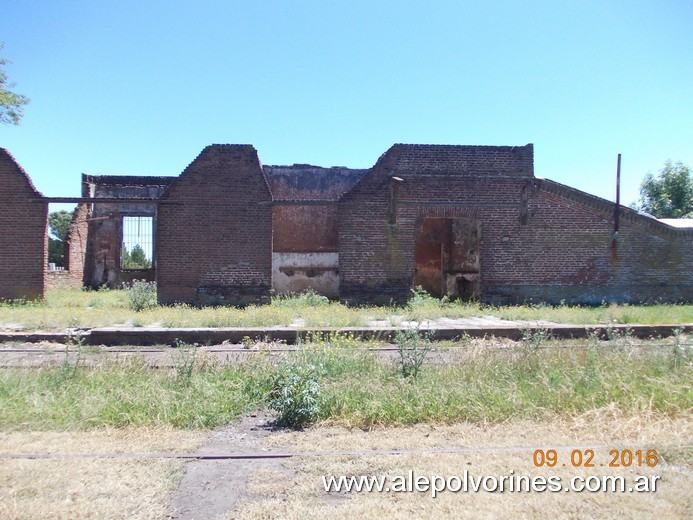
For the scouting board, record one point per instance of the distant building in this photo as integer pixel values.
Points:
(471, 222)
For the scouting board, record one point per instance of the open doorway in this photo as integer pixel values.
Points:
(448, 259)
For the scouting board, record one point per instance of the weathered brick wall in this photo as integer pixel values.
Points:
(567, 254)
(23, 228)
(104, 245)
(432, 159)
(305, 229)
(539, 240)
(305, 226)
(76, 247)
(305, 217)
(214, 231)
(60, 280)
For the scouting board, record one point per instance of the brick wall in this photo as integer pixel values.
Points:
(566, 252)
(432, 159)
(540, 240)
(214, 231)
(23, 228)
(76, 248)
(104, 245)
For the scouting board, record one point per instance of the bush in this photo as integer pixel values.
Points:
(307, 298)
(295, 395)
(141, 295)
(420, 298)
(413, 349)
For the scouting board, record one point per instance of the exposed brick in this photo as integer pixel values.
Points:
(214, 231)
(220, 221)
(23, 228)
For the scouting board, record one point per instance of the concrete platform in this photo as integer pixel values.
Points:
(444, 329)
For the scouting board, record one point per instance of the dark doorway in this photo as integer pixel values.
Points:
(448, 259)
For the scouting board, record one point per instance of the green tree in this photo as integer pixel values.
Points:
(135, 259)
(669, 194)
(11, 104)
(58, 224)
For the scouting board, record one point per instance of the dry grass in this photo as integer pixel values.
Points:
(91, 488)
(300, 494)
(75, 308)
(107, 488)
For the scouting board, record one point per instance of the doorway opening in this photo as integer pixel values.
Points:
(448, 258)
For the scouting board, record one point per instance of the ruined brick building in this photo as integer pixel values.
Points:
(469, 221)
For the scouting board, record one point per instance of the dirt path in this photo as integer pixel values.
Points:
(211, 488)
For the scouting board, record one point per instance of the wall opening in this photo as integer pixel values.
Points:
(137, 249)
(448, 257)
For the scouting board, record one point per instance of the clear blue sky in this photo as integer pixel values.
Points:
(140, 87)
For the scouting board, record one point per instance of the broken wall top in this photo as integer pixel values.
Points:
(221, 169)
(14, 180)
(125, 186)
(432, 159)
(307, 182)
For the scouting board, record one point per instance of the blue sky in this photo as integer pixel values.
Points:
(140, 87)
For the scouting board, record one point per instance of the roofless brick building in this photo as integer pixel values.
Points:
(472, 222)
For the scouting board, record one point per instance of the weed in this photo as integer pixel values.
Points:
(184, 357)
(141, 295)
(680, 354)
(535, 338)
(351, 386)
(295, 395)
(71, 360)
(421, 298)
(413, 347)
(308, 297)
(106, 307)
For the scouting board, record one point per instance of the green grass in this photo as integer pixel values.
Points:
(129, 394)
(358, 388)
(75, 308)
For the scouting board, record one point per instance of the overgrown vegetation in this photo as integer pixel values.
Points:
(70, 308)
(295, 394)
(343, 381)
(413, 347)
(141, 295)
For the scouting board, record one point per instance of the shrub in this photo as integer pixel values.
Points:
(307, 298)
(295, 395)
(413, 347)
(420, 297)
(184, 357)
(141, 295)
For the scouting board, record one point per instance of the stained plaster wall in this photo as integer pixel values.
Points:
(305, 252)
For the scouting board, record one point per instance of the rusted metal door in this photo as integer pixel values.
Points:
(448, 259)
(431, 235)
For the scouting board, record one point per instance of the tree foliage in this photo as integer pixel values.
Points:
(11, 103)
(669, 194)
(135, 259)
(58, 224)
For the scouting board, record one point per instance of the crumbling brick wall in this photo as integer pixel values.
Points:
(102, 262)
(379, 217)
(305, 252)
(567, 252)
(214, 231)
(76, 247)
(23, 228)
(540, 241)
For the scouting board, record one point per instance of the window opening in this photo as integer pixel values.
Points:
(138, 244)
